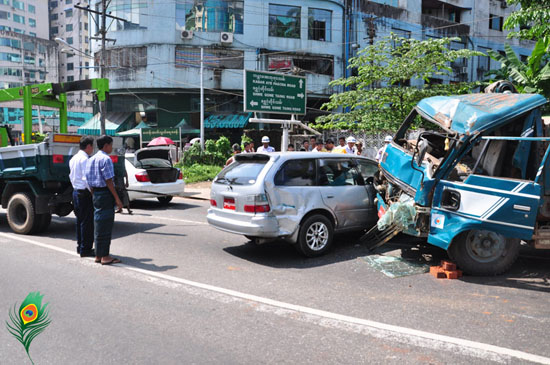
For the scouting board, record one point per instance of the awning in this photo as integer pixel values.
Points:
(227, 121)
(142, 125)
(114, 121)
(186, 128)
(134, 131)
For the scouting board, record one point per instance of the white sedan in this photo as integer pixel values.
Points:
(152, 175)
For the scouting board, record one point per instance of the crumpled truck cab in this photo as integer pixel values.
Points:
(474, 168)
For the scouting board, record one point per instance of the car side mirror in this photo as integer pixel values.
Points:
(422, 147)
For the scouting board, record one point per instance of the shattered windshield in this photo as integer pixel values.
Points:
(419, 128)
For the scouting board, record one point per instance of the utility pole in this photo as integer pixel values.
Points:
(202, 99)
(103, 33)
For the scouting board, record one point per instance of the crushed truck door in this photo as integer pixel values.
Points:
(504, 205)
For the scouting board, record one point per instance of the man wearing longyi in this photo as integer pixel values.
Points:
(99, 175)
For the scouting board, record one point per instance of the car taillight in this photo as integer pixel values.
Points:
(57, 158)
(261, 204)
(114, 158)
(180, 176)
(213, 202)
(142, 177)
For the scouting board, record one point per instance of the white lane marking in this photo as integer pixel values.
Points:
(56, 220)
(182, 220)
(403, 334)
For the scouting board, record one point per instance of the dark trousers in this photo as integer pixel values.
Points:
(84, 211)
(104, 217)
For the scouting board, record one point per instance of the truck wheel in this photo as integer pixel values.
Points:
(21, 215)
(315, 237)
(42, 222)
(164, 200)
(484, 252)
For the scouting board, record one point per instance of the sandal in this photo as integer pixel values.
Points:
(97, 260)
(112, 261)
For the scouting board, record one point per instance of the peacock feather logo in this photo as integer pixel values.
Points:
(29, 321)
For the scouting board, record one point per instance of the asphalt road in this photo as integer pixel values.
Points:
(187, 293)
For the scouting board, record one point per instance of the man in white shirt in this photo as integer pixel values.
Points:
(82, 198)
(350, 147)
(382, 149)
(265, 147)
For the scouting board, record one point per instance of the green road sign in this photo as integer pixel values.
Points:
(148, 134)
(274, 93)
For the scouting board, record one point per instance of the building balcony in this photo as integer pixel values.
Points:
(444, 26)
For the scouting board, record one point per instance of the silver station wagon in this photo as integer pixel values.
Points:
(301, 197)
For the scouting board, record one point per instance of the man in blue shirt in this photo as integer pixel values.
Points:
(99, 176)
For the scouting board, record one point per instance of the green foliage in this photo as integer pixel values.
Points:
(530, 77)
(223, 146)
(532, 19)
(216, 153)
(378, 99)
(198, 173)
(245, 138)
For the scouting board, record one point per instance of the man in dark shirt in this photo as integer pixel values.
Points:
(99, 176)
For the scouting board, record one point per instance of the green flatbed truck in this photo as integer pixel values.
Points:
(34, 178)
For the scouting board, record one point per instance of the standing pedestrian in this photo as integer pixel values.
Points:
(100, 173)
(329, 145)
(305, 145)
(251, 145)
(387, 141)
(265, 147)
(319, 147)
(312, 143)
(341, 148)
(246, 146)
(350, 148)
(82, 198)
(361, 151)
(236, 150)
(291, 148)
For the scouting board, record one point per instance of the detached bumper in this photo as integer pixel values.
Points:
(245, 224)
(149, 190)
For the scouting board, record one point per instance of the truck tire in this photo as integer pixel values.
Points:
(164, 200)
(42, 222)
(315, 236)
(484, 253)
(21, 215)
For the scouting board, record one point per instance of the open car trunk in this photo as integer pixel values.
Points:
(158, 164)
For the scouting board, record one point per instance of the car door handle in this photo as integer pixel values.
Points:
(330, 196)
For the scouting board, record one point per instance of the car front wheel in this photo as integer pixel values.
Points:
(315, 237)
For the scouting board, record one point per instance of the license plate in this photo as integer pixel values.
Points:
(229, 203)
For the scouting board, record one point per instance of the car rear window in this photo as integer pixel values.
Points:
(241, 172)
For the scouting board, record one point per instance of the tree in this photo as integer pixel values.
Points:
(532, 19)
(533, 76)
(379, 98)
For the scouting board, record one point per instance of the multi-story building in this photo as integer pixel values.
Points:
(154, 66)
(27, 56)
(70, 26)
(477, 24)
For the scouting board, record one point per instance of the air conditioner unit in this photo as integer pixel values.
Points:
(464, 70)
(503, 4)
(186, 34)
(226, 37)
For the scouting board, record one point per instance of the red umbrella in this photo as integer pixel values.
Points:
(161, 141)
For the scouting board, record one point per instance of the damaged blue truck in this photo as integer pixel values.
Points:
(475, 182)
